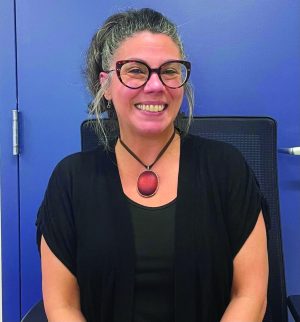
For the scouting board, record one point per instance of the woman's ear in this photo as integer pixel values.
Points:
(103, 77)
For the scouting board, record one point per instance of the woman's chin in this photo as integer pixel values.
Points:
(154, 130)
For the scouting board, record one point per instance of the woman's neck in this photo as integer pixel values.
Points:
(146, 147)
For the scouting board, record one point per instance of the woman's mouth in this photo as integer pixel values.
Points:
(151, 107)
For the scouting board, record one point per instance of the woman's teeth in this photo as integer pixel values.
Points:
(150, 107)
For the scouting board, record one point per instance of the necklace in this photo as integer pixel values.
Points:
(147, 182)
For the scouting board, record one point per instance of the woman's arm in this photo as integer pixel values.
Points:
(250, 279)
(60, 289)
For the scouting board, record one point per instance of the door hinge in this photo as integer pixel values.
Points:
(15, 132)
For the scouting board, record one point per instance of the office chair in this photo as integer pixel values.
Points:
(36, 313)
(256, 138)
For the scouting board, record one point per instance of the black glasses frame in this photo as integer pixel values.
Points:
(120, 63)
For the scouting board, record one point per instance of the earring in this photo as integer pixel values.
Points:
(108, 106)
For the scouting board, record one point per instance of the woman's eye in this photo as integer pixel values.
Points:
(135, 71)
(170, 71)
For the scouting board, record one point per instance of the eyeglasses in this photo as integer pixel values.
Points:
(135, 74)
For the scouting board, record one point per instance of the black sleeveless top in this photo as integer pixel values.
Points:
(154, 279)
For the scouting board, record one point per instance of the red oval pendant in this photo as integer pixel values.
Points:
(147, 183)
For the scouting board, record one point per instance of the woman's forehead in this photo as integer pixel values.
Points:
(145, 45)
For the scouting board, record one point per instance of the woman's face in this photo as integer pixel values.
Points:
(130, 104)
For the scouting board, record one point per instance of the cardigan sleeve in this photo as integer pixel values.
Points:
(55, 220)
(244, 200)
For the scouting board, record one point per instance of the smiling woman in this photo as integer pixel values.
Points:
(155, 224)
(116, 31)
(146, 104)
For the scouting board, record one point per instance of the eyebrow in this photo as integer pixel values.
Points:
(137, 59)
(143, 61)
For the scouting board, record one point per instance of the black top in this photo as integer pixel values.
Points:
(154, 243)
(86, 222)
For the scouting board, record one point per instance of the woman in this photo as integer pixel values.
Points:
(159, 225)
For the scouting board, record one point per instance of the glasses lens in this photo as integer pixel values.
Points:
(134, 74)
(173, 74)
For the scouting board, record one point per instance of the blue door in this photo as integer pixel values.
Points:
(245, 62)
(9, 189)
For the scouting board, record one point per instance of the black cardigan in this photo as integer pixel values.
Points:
(85, 220)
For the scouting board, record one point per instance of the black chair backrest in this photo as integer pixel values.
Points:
(36, 313)
(256, 138)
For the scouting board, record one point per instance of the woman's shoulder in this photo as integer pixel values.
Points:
(80, 162)
(214, 149)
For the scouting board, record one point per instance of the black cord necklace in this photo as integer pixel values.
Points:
(147, 182)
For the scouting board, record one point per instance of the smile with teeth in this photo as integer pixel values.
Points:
(151, 107)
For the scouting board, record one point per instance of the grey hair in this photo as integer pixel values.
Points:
(104, 44)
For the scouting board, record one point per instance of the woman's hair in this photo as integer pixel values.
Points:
(107, 40)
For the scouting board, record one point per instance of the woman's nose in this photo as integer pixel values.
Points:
(154, 83)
